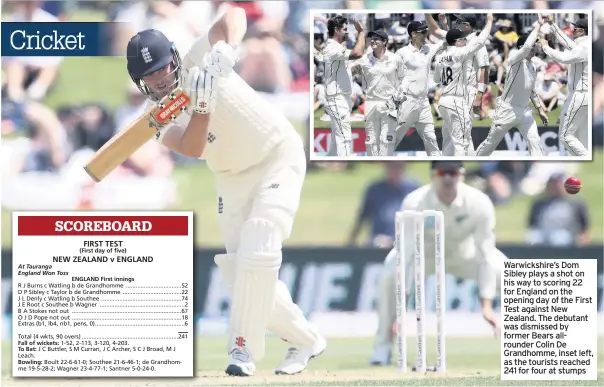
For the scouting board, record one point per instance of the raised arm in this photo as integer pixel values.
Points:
(575, 55)
(524, 51)
(561, 37)
(434, 28)
(475, 44)
(359, 48)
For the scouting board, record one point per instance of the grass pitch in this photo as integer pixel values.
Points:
(470, 362)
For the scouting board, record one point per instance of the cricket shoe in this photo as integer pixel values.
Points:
(241, 363)
(382, 356)
(297, 359)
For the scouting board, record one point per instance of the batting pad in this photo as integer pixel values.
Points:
(286, 320)
(253, 299)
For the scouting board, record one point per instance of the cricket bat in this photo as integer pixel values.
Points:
(123, 144)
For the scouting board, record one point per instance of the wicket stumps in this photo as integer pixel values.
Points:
(418, 219)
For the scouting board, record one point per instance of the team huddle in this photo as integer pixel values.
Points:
(396, 87)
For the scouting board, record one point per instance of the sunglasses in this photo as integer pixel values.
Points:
(442, 173)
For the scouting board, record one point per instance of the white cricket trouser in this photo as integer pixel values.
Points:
(472, 90)
(380, 129)
(268, 195)
(339, 107)
(573, 130)
(457, 125)
(486, 275)
(508, 117)
(416, 112)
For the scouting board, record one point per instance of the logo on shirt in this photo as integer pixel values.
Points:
(220, 205)
(211, 137)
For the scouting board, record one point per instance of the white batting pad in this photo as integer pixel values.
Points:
(286, 320)
(253, 300)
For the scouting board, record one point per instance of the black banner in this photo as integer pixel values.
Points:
(513, 140)
(343, 279)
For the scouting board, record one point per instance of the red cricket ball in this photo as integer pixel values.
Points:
(572, 185)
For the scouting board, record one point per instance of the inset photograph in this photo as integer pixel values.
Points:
(476, 85)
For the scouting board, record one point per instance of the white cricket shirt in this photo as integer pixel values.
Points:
(244, 128)
(469, 223)
(522, 74)
(416, 68)
(380, 77)
(478, 60)
(576, 56)
(338, 79)
(451, 66)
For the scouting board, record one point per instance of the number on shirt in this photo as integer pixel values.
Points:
(447, 76)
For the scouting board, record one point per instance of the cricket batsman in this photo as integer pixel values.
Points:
(381, 72)
(338, 82)
(513, 108)
(573, 130)
(259, 164)
(451, 73)
(414, 110)
(469, 222)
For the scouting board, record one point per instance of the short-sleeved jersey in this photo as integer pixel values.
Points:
(380, 77)
(243, 129)
(416, 68)
(338, 79)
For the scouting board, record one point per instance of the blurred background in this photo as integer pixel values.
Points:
(57, 111)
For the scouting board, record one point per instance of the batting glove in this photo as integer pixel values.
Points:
(201, 87)
(220, 60)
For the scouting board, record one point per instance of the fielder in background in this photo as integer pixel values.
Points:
(414, 107)
(512, 109)
(381, 72)
(469, 225)
(573, 130)
(451, 72)
(338, 82)
(259, 165)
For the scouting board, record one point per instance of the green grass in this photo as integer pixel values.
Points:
(470, 362)
(320, 222)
